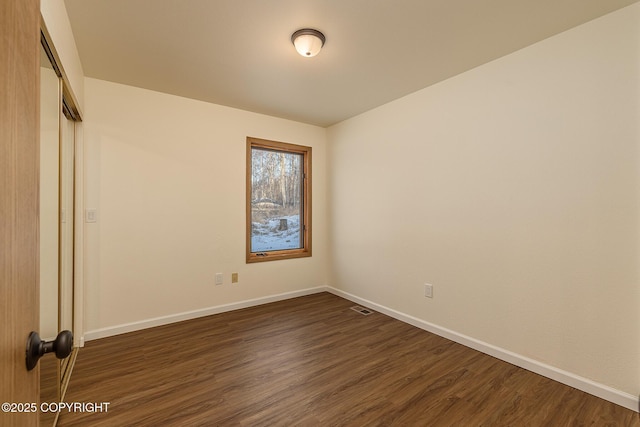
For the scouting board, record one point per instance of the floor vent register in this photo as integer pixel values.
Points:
(362, 310)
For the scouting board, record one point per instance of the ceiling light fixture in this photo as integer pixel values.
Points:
(308, 42)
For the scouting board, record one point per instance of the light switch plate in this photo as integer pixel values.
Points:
(91, 215)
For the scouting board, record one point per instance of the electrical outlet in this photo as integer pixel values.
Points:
(234, 277)
(428, 290)
(219, 278)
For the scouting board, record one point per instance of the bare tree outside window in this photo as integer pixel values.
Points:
(278, 200)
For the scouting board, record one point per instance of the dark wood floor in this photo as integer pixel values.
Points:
(49, 388)
(312, 361)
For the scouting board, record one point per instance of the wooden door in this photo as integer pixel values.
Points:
(19, 168)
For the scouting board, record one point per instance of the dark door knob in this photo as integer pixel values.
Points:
(36, 348)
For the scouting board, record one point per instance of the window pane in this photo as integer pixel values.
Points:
(276, 200)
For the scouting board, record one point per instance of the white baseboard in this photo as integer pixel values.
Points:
(600, 390)
(165, 320)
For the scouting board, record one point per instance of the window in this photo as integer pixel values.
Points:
(278, 200)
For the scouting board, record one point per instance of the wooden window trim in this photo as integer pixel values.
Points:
(305, 251)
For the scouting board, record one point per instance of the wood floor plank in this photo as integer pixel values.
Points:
(312, 361)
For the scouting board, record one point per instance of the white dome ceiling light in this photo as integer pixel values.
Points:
(308, 42)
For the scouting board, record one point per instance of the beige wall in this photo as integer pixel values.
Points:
(513, 189)
(167, 176)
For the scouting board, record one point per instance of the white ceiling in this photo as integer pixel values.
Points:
(238, 52)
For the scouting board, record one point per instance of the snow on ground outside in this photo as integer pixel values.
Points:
(266, 237)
